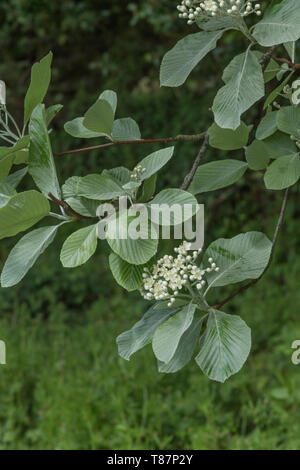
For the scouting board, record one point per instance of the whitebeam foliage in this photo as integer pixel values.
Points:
(181, 323)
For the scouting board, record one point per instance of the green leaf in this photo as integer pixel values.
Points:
(9, 155)
(225, 346)
(222, 22)
(41, 161)
(99, 118)
(291, 50)
(21, 212)
(76, 129)
(217, 175)
(280, 145)
(142, 332)
(15, 178)
(167, 336)
(185, 349)
(79, 247)
(172, 197)
(129, 276)
(272, 96)
(271, 70)
(111, 97)
(257, 155)
(83, 206)
(148, 189)
(119, 175)
(283, 172)
(25, 253)
(227, 139)
(51, 112)
(155, 161)
(239, 258)
(279, 24)
(99, 187)
(244, 86)
(178, 63)
(125, 129)
(133, 250)
(39, 84)
(288, 120)
(70, 188)
(6, 193)
(267, 126)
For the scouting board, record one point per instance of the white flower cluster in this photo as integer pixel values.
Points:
(172, 274)
(191, 10)
(138, 172)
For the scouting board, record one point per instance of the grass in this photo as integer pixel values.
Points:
(64, 386)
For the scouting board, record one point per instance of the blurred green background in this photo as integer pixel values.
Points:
(64, 386)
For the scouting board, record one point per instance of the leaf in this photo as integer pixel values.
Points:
(272, 96)
(125, 129)
(21, 212)
(155, 161)
(25, 253)
(174, 203)
(99, 187)
(283, 172)
(79, 247)
(178, 63)
(267, 126)
(76, 129)
(142, 332)
(15, 178)
(280, 145)
(244, 86)
(225, 346)
(185, 349)
(288, 120)
(222, 22)
(129, 276)
(6, 193)
(279, 24)
(51, 112)
(8, 156)
(39, 84)
(119, 175)
(257, 155)
(83, 206)
(133, 250)
(111, 97)
(70, 188)
(227, 139)
(41, 162)
(148, 189)
(99, 118)
(167, 336)
(217, 175)
(239, 258)
(291, 50)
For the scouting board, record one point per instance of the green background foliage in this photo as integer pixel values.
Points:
(64, 386)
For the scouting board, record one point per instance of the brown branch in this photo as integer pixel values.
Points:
(286, 61)
(67, 207)
(188, 179)
(275, 238)
(166, 140)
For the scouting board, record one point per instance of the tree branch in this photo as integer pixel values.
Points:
(286, 61)
(275, 237)
(188, 179)
(166, 140)
(265, 59)
(67, 207)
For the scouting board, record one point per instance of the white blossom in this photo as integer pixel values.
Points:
(169, 277)
(191, 10)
